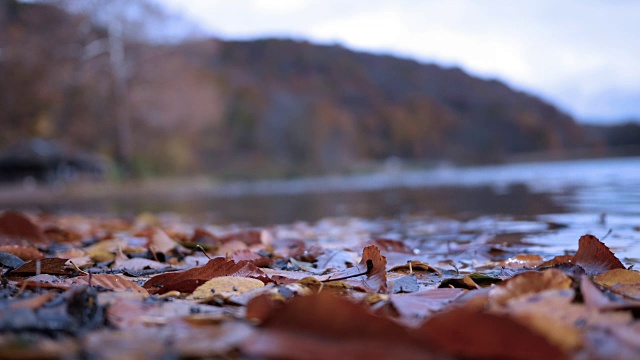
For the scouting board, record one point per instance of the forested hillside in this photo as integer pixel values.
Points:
(264, 107)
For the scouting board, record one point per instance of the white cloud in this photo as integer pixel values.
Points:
(569, 51)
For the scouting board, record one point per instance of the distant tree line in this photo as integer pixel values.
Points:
(265, 107)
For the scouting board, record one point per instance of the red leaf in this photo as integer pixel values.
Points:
(188, 281)
(595, 257)
(324, 326)
(16, 227)
(463, 333)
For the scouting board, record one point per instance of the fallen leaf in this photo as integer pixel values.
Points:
(137, 264)
(389, 245)
(621, 281)
(335, 259)
(415, 266)
(522, 261)
(404, 284)
(420, 304)
(595, 257)
(471, 281)
(250, 256)
(9, 260)
(187, 281)
(17, 227)
(32, 303)
(463, 333)
(370, 274)
(25, 253)
(324, 326)
(560, 259)
(529, 283)
(51, 266)
(225, 286)
(592, 296)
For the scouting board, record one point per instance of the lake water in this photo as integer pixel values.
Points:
(577, 197)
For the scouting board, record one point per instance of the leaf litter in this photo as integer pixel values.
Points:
(78, 286)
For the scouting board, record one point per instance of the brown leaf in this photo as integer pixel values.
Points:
(529, 283)
(422, 303)
(111, 282)
(324, 326)
(591, 295)
(51, 266)
(372, 270)
(621, 281)
(415, 266)
(187, 281)
(560, 259)
(249, 237)
(521, 261)
(595, 257)
(250, 256)
(388, 245)
(16, 227)
(25, 253)
(464, 333)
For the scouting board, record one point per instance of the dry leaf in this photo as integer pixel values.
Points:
(25, 253)
(529, 283)
(415, 266)
(324, 326)
(187, 281)
(225, 286)
(621, 281)
(250, 256)
(463, 333)
(422, 303)
(560, 259)
(370, 275)
(51, 266)
(17, 228)
(595, 257)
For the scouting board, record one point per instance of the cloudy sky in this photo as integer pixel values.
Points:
(582, 55)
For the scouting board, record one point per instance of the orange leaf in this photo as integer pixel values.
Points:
(594, 256)
(25, 253)
(622, 281)
(324, 326)
(529, 283)
(522, 261)
(464, 333)
(187, 281)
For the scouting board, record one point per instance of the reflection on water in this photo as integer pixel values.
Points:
(587, 196)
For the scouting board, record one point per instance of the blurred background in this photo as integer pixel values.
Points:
(194, 97)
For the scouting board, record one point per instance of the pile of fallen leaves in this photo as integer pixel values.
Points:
(91, 287)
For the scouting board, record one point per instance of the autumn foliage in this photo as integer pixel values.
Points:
(145, 288)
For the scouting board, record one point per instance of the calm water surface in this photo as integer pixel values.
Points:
(583, 196)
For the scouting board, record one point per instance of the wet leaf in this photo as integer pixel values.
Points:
(560, 259)
(404, 284)
(529, 283)
(521, 261)
(476, 335)
(187, 281)
(471, 281)
(594, 256)
(621, 281)
(419, 304)
(9, 260)
(225, 286)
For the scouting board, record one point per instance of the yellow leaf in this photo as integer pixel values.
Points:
(622, 281)
(225, 286)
